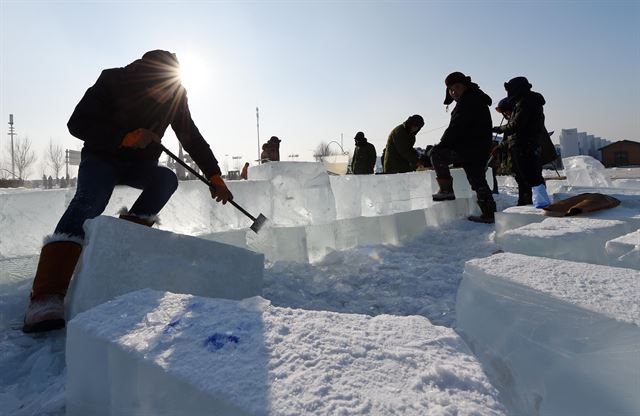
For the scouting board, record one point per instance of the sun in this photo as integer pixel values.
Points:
(194, 72)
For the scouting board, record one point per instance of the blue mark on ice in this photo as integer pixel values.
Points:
(217, 341)
(171, 326)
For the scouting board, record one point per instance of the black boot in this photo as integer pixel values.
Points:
(445, 193)
(488, 209)
(524, 196)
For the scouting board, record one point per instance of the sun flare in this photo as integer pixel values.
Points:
(194, 72)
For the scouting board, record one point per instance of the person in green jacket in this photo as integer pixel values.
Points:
(364, 156)
(400, 156)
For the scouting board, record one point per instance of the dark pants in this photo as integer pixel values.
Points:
(97, 177)
(526, 164)
(475, 169)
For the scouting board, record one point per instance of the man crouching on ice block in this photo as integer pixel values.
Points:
(121, 118)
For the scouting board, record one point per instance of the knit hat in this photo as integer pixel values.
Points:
(360, 137)
(274, 139)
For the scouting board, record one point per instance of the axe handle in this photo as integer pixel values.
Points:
(202, 178)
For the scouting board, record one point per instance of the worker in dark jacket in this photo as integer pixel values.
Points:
(400, 156)
(364, 156)
(121, 120)
(506, 150)
(468, 139)
(527, 131)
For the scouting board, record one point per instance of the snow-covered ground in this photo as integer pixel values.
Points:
(420, 277)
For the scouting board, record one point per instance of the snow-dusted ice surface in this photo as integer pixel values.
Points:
(556, 337)
(419, 277)
(624, 251)
(120, 257)
(172, 353)
(569, 238)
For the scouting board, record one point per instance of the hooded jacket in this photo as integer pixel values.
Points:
(364, 158)
(400, 156)
(526, 125)
(469, 131)
(118, 103)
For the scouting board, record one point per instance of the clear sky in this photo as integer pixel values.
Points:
(318, 70)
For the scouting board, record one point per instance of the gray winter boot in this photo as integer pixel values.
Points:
(445, 193)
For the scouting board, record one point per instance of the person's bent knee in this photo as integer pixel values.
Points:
(168, 179)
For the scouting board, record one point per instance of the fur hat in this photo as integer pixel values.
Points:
(516, 86)
(454, 78)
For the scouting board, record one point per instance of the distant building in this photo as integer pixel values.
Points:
(575, 143)
(621, 153)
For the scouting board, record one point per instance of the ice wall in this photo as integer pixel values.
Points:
(556, 337)
(290, 194)
(300, 192)
(120, 257)
(169, 354)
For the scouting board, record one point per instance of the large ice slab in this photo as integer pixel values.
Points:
(168, 354)
(556, 337)
(120, 257)
(568, 238)
(624, 251)
(346, 192)
(585, 171)
(300, 192)
(515, 217)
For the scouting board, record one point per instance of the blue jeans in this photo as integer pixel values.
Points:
(97, 177)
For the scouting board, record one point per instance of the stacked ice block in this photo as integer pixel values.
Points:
(556, 337)
(624, 251)
(120, 257)
(169, 354)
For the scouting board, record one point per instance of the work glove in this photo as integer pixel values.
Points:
(139, 139)
(219, 190)
(497, 129)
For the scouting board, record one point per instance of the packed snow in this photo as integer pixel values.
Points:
(181, 354)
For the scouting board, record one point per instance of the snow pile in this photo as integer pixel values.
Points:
(120, 257)
(178, 354)
(556, 337)
(585, 171)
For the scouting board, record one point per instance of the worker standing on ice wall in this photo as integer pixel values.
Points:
(467, 138)
(120, 118)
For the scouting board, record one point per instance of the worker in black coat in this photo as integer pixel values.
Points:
(467, 139)
(121, 119)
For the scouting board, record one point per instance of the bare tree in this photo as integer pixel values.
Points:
(323, 150)
(55, 157)
(24, 156)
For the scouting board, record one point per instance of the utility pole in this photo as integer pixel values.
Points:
(258, 128)
(12, 133)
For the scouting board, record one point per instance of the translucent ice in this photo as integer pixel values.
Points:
(556, 337)
(121, 257)
(585, 171)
